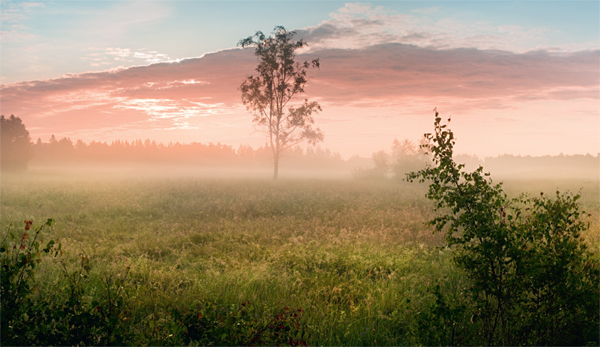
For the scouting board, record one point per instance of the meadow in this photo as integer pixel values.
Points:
(353, 260)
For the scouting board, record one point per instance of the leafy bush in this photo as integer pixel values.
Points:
(533, 281)
(64, 316)
(20, 253)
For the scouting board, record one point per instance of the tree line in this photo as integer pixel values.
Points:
(195, 153)
(18, 151)
(404, 156)
(408, 156)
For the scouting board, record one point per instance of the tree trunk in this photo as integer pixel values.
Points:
(275, 166)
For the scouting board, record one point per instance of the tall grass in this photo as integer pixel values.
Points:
(355, 256)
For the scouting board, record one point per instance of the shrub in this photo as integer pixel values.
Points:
(20, 253)
(533, 281)
(65, 316)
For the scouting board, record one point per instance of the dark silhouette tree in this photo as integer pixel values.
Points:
(270, 95)
(15, 144)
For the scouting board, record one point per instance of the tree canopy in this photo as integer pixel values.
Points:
(271, 94)
(16, 144)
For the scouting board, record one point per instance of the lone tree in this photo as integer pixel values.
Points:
(270, 95)
(16, 148)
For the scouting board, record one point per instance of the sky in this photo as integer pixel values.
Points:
(517, 77)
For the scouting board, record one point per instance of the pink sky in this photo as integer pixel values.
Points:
(372, 88)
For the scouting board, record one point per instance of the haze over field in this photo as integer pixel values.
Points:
(137, 142)
(518, 77)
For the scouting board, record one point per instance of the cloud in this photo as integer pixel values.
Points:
(16, 12)
(376, 69)
(170, 95)
(384, 72)
(12, 16)
(505, 120)
(358, 25)
(108, 56)
(159, 96)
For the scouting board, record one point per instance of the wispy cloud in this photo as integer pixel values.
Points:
(14, 12)
(12, 17)
(100, 57)
(160, 96)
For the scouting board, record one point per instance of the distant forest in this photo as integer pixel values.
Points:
(403, 157)
(152, 152)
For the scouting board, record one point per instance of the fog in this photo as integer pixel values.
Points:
(500, 168)
(150, 160)
(154, 172)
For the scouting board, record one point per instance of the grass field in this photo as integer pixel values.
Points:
(355, 256)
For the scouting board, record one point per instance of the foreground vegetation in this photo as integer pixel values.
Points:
(531, 279)
(174, 261)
